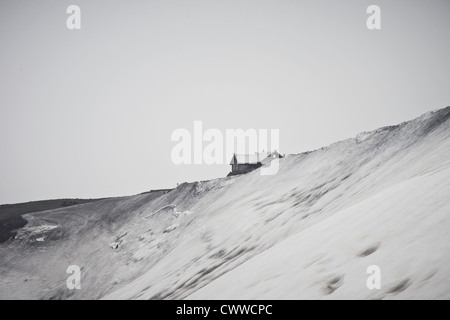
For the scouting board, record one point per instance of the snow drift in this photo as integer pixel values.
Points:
(308, 232)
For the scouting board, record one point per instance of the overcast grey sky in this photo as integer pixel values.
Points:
(89, 113)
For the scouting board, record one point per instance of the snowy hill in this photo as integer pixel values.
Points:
(308, 232)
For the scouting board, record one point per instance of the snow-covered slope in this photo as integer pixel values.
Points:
(309, 231)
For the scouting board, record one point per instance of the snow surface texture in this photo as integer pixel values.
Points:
(308, 232)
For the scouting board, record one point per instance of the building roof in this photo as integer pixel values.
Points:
(252, 158)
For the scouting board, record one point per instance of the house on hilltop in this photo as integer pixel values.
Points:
(244, 163)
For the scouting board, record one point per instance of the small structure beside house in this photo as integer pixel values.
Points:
(244, 163)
